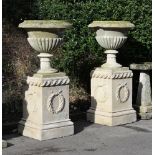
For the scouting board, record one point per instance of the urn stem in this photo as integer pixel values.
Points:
(45, 66)
(111, 59)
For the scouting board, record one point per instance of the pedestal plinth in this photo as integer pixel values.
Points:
(111, 97)
(46, 107)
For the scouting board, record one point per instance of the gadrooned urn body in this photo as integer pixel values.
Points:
(111, 35)
(45, 35)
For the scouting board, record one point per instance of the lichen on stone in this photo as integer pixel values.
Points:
(45, 24)
(111, 24)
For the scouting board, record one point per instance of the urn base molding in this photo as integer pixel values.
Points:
(46, 107)
(111, 96)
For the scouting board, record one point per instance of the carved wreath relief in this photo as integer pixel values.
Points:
(50, 102)
(122, 93)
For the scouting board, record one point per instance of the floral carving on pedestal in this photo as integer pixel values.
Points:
(29, 98)
(50, 102)
(101, 93)
(122, 88)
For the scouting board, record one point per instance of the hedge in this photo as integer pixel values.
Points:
(81, 53)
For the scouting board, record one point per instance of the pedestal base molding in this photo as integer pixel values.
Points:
(111, 119)
(46, 131)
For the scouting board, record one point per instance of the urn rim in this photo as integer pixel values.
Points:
(112, 24)
(45, 24)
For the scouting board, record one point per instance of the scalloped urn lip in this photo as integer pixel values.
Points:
(112, 24)
(45, 24)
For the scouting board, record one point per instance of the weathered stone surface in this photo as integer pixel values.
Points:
(4, 143)
(111, 97)
(145, 66)
(46, 108)
(144, 101)
(111, 24)
(144, 90)
(45, 24)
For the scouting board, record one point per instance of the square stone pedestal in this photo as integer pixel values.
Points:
(46, 107)
(111, 97)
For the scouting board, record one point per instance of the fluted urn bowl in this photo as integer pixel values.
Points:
(45, 36)
(45, 44)
(109, 41)
(111, 35)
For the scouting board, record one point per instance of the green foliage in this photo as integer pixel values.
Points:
(81, 52)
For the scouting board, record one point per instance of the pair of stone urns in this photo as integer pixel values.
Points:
(46, 103)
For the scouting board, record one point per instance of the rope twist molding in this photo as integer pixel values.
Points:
(47, 82)
(113, 75)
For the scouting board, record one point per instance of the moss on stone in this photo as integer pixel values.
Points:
(143, 66)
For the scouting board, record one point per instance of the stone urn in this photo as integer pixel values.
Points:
(46, 101)
(111, 35)
(45, 36)
(111, 84)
